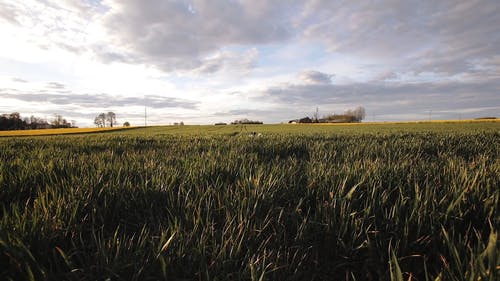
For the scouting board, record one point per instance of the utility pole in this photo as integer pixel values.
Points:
(145, 117)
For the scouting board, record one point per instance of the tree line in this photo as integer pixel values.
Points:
(349, 116)
(14, 121)
(105, 119)
(246, 121)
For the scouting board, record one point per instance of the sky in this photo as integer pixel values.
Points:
(202, 62)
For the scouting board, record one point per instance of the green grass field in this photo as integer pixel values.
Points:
(321, 129)
(298, 202)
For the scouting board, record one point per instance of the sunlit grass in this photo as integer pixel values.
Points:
(321, 129)
(373, 202)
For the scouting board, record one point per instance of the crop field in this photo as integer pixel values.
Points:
(262, 202)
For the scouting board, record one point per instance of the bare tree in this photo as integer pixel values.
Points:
(15, 115)
(33, 121)
(97, 122)
(60, 122)
(359, 113)
(57, 121)
(111, 118)
(100, 120)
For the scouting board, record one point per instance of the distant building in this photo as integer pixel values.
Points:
(305, 120)
(43, 125)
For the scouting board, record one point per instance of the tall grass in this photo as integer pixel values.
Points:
(368, 206)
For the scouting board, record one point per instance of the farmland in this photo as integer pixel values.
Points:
(297, 202)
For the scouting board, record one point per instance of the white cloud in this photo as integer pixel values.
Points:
(315, 77)
(253, 57)
(229, 62)
(391, 100)
(442, 36)
(177, 35)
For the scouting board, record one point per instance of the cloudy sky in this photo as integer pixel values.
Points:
(206, 61)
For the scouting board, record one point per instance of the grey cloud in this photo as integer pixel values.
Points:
(98, 100)
(431, 36)
(107, 54)
(77, 49)
(415, 36)
(315, 77)
(19, 80)
(387, 75)
(228, 61)
(391, 99)
(83, 7)
(176, 35)
(281, 114)
(240, 112)
(55, 85)
(9, 13)
(8, 90)
(68, 114)
(448, 37)
(164, 102)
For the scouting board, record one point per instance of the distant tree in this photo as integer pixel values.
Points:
(97, 122)
(60, 122)
(57, 121)
(349, 116)
(486, 118)
(126, 124)
(38, 123)
(33, 122)
(103, 119)
(15, 115)
(111, 118)
(12, 121)
(245, 121)
(102, 116)
(100, 120)
(359, 113)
